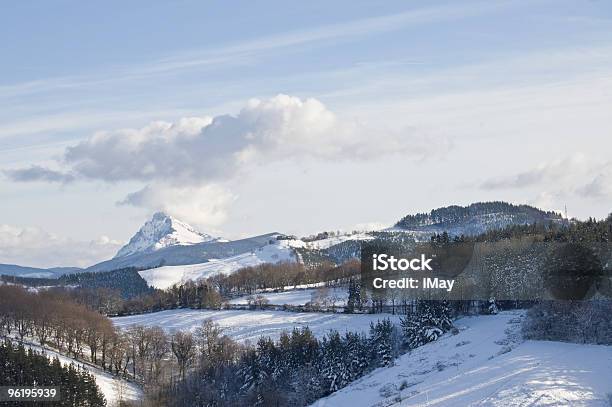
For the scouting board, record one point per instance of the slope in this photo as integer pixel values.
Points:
(486, 364)
(114, 389)
(186, 254)
(166, 276)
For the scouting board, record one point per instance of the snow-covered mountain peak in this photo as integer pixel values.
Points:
(162, 231)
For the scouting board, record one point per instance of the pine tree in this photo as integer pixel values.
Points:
(357, 352)
(380, 340)
(352, 300)
(248, 371)
(335, 369)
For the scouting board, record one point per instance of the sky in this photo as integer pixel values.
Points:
(244, 118)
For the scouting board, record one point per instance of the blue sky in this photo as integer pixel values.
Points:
(392, 107)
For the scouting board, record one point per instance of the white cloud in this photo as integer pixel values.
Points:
(545, 173)
(185, 164)
(39, 173)
(556, 182)
(44, 249)
(550, 201)
(600, 186)
(205, 206)
(199, 150)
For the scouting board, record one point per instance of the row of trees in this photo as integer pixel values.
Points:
(265, 276)
(53, 320)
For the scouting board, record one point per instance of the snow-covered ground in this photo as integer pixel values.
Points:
(114, 389)
(487, 364)
(322, 295)
(250, 325)
(165, 277)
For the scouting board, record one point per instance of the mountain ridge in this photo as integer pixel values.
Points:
(38, 272)
(167, 241)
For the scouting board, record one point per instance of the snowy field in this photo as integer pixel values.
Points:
(112, 388)
(323, 295)
(487, 364)
(165, 277)
(250, 325)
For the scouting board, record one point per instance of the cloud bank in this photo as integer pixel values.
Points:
(557, 180)
(187, 162)
(544, 173)
(44, 249)
(203, 149)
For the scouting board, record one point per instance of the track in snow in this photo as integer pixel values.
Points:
(250, 325)
(486, 364)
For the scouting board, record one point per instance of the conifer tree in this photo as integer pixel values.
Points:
(380, 340)
(335, 369)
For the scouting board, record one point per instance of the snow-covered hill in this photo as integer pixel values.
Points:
(162, 231)
(272, 252)
(473, 219)
(487, 364)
